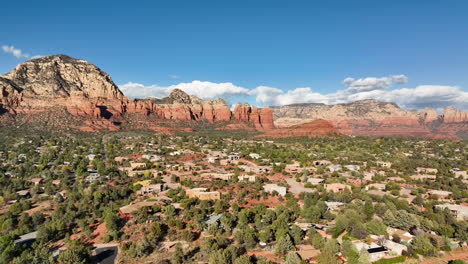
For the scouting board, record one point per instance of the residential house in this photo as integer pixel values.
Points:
(28, 238)
(213, 159)
(375, 251)
(377, 186)
(426, 170)
(270, 188)
(93, 177)
(36, 181)
(137, 165)
(316, 181)
(397, 248)
(153, 158)
(333, 205)
(333, 168)
(249, 178)
(203, 194)
(254, 155)
(24, 194)
(353, 167)
(152, 188)
(337, 187)
(439, 193)
(220, 176)
(458, 211)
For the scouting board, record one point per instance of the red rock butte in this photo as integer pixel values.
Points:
(59, 83)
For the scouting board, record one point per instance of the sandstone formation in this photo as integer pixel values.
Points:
(370, 117)
(310, 129)
(84, 91)
(451, 115)
(261, 118)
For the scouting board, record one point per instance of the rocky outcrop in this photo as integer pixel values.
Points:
(310, 129)
(83, 90)
(261, 118)
(370, 117)
(451, 115)
(61, 76)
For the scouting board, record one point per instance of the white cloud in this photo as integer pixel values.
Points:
(435, 96)
(15, 52)
(18, 53)
(372, 83)
(203, 90)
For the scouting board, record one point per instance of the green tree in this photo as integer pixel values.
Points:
(328, 254)
(75, 253)
(293, 258)
(284, 245)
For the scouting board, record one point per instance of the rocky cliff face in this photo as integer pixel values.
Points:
(261, 118)
(84, 91)
(62, 76)
(370, 117)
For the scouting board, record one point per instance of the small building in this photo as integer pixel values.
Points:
(214, 219)
(333, 205)
(439, 193)
(233, 157)
(375, 251)
(426, 170)
(138, 165)
(376, 186)
(152, 188)
(93, 177)
(353, 167)
(316, 181)
(254, 155)
(213, 159)
(56, 182)
(220, 176)
(203, 194)
(458, 211)
(457, 173)
(36, 181)
(270, 188)
(26, 238)
(333, 168)
(337, 187)
(153, 157)
(91, 157)
(249, 178)
(24, 194)
(397, 248)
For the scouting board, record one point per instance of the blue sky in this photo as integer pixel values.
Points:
(265, 49)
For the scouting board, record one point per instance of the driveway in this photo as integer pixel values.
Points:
(296, 187)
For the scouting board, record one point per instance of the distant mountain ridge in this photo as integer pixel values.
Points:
(83, 90)
(59, 86)
(371, 117)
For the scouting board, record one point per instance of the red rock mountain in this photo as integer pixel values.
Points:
(83, 90)
(373, 118)
(71, 87)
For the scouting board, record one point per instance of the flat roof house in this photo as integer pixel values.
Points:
(270, 188)
(202, 194)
